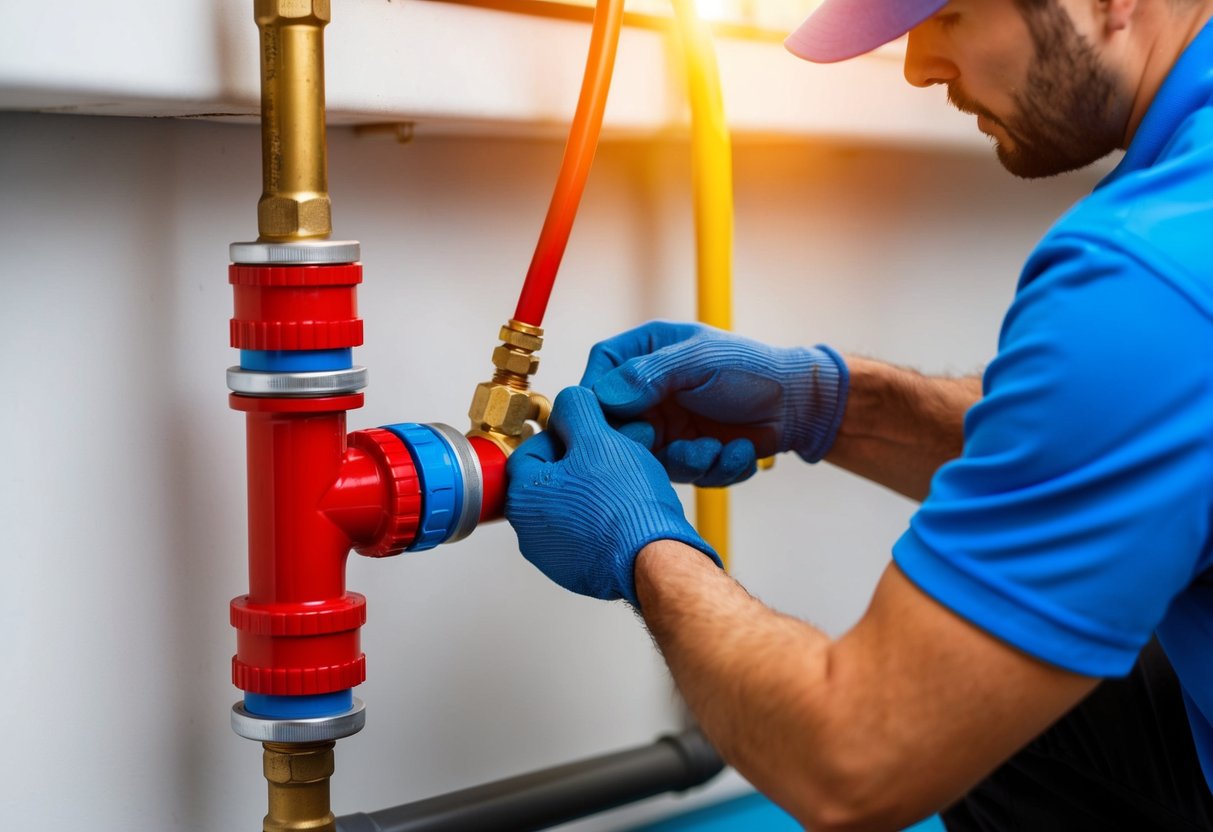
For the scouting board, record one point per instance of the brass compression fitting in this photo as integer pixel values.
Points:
(298, 777)
(503, 409)
(294, 201)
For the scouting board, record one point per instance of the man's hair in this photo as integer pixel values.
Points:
(1030, 7)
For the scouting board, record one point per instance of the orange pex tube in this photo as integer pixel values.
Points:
(575, 167)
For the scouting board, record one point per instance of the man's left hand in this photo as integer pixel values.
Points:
(585, 499)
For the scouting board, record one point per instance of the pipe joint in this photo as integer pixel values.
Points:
(295, 307)
(298, 729)
(505, 410)
(296, 323)
(298, 778)
(289, 385)
(434, 485)
(298, 648)
(392, 492)
(285, 12)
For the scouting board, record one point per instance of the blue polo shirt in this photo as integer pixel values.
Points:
(1078, 520)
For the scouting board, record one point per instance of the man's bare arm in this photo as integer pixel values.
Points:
(900, 426)
(893, 721)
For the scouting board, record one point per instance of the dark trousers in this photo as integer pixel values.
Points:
(1123, 759)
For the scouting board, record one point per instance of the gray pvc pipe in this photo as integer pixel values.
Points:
(556, 795)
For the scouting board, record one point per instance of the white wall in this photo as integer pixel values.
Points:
(122, 497)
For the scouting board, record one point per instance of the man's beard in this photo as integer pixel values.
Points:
(1064, 118)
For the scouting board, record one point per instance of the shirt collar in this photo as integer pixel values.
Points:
(1187, 88)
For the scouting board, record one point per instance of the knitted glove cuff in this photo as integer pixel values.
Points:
(817, 399)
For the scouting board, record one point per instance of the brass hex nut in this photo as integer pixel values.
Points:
(287, 217)
(298, 767)
(267, 11)
(522, 363)
(522, 340)
(496, 407)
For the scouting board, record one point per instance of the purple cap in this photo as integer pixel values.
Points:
(842, 29)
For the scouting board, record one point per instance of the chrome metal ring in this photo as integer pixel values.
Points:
(473, 479)
(301, 252)
(318, 383)
(316, 729)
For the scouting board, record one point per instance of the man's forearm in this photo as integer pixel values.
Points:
(900, 426)
(833, 730)
(744, 670)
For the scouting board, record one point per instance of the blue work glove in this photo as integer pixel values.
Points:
(709, 403)
(585, 500)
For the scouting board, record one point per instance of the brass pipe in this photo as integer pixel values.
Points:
(298, 777)
(294, 201)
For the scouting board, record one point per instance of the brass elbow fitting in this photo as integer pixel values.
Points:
(504, 409)
(294, 201)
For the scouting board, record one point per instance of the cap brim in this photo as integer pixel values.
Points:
(842, 29)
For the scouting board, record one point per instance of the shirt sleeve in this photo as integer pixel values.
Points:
(1081, 504)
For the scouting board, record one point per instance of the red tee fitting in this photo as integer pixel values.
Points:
(314, 493)
(298, 628)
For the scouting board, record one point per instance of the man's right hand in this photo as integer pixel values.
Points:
(709, 403)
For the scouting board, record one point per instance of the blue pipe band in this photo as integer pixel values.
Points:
(308, 706)
(296, 361)
(441, 483)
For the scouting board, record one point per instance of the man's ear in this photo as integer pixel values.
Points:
(1116, 14)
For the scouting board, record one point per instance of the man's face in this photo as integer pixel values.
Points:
(1034, 82)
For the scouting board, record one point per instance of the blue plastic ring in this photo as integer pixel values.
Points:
(441, 483)
(308, 706)
(296, 361)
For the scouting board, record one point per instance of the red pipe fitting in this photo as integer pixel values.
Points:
(398, 507)
(298, 628)
(492, 471)
(296, 307)
(314, 493)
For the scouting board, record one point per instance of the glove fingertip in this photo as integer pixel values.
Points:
(598, 365)
(642, 433)
(688, 460)
(738, 461)
(620, 392)
(575, 413)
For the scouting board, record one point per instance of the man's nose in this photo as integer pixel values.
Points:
(925, 63)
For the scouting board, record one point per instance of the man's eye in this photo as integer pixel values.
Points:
(947, 21)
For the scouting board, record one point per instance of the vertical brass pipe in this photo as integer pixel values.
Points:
(298, 777)
(294, 201)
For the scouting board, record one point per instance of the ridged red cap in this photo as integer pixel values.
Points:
(333, 616)
(402, 507)
(295, 307)
(305, 681)
(298, 648)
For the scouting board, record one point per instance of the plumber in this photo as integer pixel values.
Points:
(1038, 654)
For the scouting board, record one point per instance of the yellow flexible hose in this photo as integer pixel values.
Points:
(712, 182)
